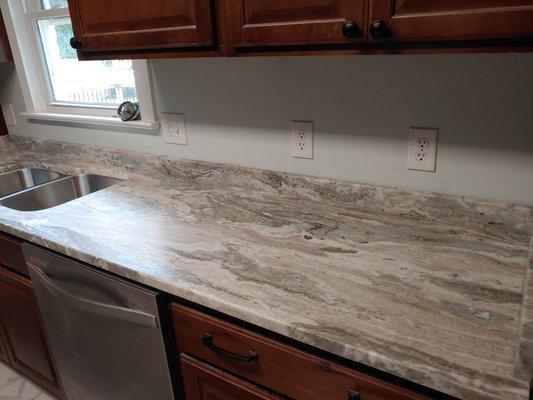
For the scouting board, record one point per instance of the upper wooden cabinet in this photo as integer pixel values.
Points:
(296, 22)
(5, 50)
(119, 25)
(438, 20)
(190, 28)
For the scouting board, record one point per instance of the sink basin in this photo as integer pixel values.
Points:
(21, 179)
(57, 192)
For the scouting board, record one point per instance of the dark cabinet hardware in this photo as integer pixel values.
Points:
(207, 341)
(75, 43)
(378, 29)
(353, 395)
(350, 30)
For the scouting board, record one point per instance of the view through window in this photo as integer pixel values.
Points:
(102, 83)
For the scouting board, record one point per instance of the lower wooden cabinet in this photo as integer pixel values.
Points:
(3, 354)
(24, 338)
(273, 364)
(204, 382)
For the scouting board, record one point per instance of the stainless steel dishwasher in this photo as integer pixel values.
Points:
(104, 333)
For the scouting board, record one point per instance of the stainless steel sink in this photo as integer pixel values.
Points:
(21, 179)
(57, 192)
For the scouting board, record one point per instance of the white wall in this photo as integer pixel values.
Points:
(239, 110)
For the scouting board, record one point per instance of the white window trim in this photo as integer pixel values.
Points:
(22, 35)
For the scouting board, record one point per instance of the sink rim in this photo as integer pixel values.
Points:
(57, 181)
(60, 176)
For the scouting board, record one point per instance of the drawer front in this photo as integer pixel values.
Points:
(11, 254)
(275, 365)
(204, 382)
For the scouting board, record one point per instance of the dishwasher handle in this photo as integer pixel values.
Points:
(95, 307)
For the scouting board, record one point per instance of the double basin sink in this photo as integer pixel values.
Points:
(32, 189)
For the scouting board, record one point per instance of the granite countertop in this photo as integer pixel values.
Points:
(431, 288)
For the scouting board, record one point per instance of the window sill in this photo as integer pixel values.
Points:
(91, 120)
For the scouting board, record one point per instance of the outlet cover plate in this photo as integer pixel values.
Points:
(302, 139)
(173, 128)
(9, 115)
(422, 155)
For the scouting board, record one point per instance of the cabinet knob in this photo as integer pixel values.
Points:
(75, 43)
(353, 395)
(350, 30)
(378, 29)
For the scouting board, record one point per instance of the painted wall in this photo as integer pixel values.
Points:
(239, 111)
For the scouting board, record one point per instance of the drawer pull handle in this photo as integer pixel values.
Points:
(353, 395)
(207, 341)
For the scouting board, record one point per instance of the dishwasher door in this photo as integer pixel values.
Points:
(104, 333)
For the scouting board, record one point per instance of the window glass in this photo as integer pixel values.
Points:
(51, 4)
(106, 83)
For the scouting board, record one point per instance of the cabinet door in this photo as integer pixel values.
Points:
(296, 22)
(103, 25)
(203, 382)
(25, 340)
(431, 20)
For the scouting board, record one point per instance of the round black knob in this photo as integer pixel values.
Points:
(378, 29)
(353, 395)
(75, 43)
(350, 30)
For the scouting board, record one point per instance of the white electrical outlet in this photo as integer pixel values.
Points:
(173, 127)
(302, 139)
(422, 154)
(9, 115)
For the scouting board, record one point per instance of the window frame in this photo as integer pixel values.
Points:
(24, 37)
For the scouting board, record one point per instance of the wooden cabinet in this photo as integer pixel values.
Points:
(203, 382)
(3, 354)
(270, 363)
(11, 254)
(5, 50)
(140, 25)
(24, 335)
(191, 28)
(297, 22)
(452, 20)
(23, 342)
(3, 126)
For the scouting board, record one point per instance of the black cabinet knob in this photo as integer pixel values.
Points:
(350, 30)
(75, 43)
(378, 29)
(353, 395)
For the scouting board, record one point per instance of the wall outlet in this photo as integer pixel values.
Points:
(302, 139)
(173, 127)
(422, 154)
(9, 115)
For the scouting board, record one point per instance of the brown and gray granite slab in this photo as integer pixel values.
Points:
(430, 288)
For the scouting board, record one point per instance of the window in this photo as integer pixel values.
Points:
(56, 83)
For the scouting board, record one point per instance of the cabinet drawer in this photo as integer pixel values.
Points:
(272, 364)
(204, 382)
(11, 254)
